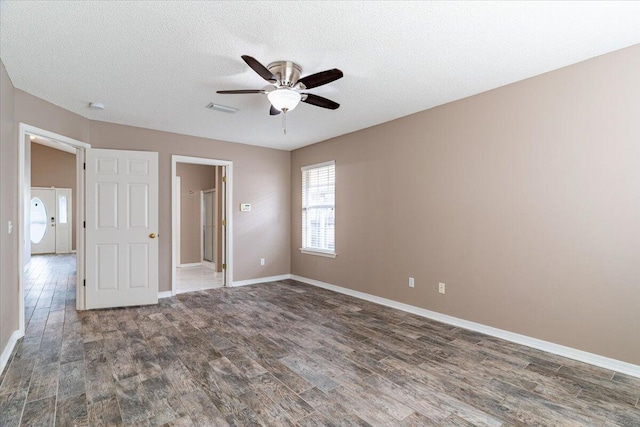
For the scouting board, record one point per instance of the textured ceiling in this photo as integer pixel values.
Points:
(158, 64)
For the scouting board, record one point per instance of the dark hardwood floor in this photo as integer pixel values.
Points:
(283, 353)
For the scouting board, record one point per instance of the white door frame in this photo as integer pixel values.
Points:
(178, 215)
(229, 225)
(24, 190)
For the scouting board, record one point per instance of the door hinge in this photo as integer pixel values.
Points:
(84, 166)
(224, 222)
(224, 179)
(84, 282)
(84, 224)
(224, 266)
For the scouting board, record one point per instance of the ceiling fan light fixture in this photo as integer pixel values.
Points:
(284, 99)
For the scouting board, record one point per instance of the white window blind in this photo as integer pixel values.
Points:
(318, 208)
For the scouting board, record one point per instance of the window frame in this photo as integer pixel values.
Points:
(310, 250)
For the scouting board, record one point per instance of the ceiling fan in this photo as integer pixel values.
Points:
(285, 85)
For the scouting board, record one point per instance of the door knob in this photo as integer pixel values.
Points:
(152, 235)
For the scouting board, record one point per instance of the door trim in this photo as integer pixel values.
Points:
(24, 155)
(178, 213)
(175, 159)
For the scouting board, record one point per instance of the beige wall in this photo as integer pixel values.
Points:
(8, 211)
(57, 168)
(524, 200)
(261, 177)
(44, 115)
(193, 179)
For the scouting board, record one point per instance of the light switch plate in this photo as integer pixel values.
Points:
(245, 207)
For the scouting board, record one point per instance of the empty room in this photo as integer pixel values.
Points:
(319, 213)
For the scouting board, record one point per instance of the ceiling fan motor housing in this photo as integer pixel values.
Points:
(287, 72)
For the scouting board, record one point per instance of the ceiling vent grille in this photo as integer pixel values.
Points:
(223, 108)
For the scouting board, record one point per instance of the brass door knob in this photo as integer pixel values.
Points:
(152, 235)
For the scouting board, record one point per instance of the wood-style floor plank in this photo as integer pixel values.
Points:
(283, 354)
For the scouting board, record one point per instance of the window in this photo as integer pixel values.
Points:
(38, 220)
(62, 209)
(318, 209)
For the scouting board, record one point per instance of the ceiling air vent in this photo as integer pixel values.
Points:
(223, 108)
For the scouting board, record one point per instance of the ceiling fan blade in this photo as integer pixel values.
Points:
(227, 92)
(259, 68)
(322, 78)
(274, 111)
(319, 101)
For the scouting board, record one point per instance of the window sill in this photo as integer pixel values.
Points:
(318, 253)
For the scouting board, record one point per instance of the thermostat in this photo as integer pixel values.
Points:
(245, 207)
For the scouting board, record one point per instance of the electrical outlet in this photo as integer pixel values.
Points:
(262, 261)
(411, 282)
(441, 287)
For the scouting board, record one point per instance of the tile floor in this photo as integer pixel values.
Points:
(189, 279)
(284, 354)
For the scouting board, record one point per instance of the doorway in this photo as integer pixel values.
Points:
(46, 160)
(200, 266)
(51, 221)
(201, 223)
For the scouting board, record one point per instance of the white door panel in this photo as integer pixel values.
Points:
(208, 226)
(121, 228)
(42, 221)
(63, 220)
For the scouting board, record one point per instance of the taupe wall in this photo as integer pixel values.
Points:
(193, 179)
(8, 211)
(44, 115)
(57, 168)
(261, 177)
(524, 200)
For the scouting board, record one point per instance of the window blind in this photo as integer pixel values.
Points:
(318, 207)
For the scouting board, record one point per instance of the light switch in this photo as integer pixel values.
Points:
(245, 207)
(9, 227)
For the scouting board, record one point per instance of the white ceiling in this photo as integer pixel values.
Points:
(157, 64)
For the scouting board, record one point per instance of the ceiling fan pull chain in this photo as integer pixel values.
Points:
(284, 123)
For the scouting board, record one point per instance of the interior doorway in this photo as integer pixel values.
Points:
(50, 166)
(201, 240)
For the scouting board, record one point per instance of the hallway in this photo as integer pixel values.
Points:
(45, 374)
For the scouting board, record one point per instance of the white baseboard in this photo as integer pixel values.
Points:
(6, 353)
(193, 264)
(261, 280)
(165, 294)
(184, 291)
(560, 350)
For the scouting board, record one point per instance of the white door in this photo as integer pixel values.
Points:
(43, 220)
(63, 220)
(208, 225)
(223, 222)
(121, 228)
